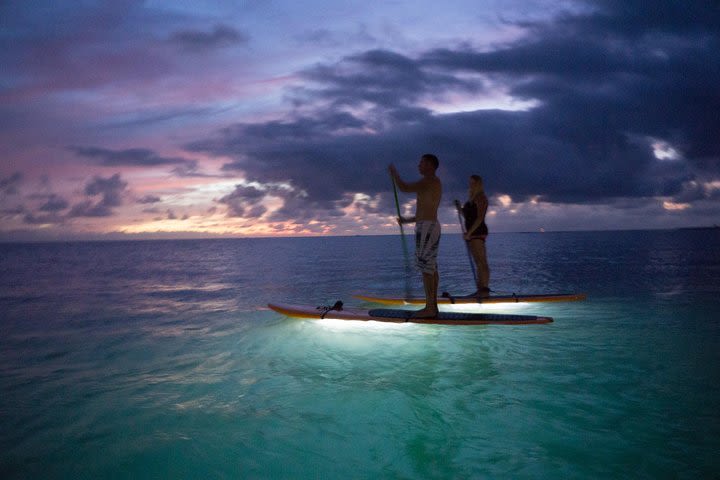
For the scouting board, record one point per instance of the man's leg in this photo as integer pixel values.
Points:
(430, 284)
(434, 290)
(426, 245)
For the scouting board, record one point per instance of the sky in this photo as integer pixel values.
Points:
(187, 119)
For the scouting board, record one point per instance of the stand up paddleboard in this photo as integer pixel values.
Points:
(338, 312)
(447, 299)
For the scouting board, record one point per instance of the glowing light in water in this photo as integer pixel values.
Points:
(329, 323)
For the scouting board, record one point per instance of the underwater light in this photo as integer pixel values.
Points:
(485, 307)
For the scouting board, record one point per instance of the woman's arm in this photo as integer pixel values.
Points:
(481, 203)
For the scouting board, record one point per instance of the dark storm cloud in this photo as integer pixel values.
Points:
(220, 36)
(382, 78)
(244, 202)
(305, 127)
(315, 155)
(110, 190)
(602, 76)
(132, 157)
(606, 85)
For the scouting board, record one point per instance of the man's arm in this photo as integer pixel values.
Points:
(407, 187)
(404, 187)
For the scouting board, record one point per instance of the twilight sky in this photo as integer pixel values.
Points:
(125, 119)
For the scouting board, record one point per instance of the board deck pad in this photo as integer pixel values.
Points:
(447, 299)
(408, 315)
(402, 316)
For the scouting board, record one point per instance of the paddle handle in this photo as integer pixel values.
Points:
(397, 207)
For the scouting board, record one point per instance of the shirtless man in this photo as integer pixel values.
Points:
(427, 227)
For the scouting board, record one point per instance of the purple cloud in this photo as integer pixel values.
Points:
(110, 191)
(220, 36)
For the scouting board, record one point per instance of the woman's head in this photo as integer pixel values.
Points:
(476, 183)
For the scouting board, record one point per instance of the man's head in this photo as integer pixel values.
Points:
(428, 162)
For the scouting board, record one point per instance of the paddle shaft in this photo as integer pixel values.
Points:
(467, 244)
(404, 244)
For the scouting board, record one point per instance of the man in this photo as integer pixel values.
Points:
(427, 227)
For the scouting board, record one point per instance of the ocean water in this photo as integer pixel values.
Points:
(159, 359)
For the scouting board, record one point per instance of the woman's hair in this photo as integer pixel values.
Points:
(479, 181)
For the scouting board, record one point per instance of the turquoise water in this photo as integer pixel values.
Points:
(158, 360)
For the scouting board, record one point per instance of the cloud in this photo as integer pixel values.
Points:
(142, 157)
(50, 210)
(110, 188)
(248, 201)
(220, 36)
(600, 89)
(43, 219)
(149, 199)
(54, 203)
(9, 185)
(595, 88)
(87, 208)
(170, 215)
(110, 191)
(304, 127)
(132, 157)
(244, 201)
(12, 211)
(382, 78)
(190, 170)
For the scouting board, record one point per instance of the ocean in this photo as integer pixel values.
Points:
(160, 359)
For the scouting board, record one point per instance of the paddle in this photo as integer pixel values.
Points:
(406, 255)
(467, 245)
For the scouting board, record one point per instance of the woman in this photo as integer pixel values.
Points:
(476, 230)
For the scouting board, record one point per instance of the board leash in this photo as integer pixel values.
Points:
(324, 309)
